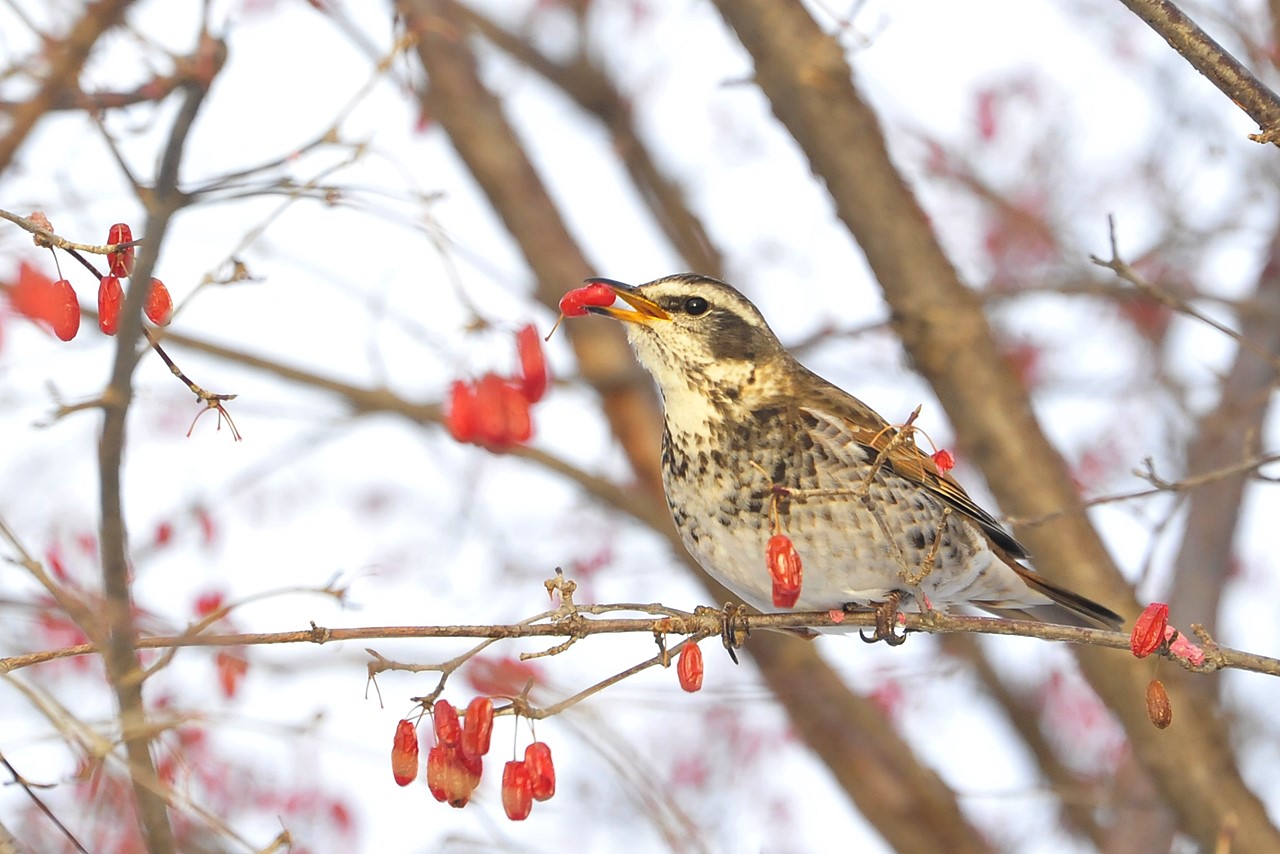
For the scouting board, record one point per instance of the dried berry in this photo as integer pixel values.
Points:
(944, 460)
(477, 727)
(542, 771)
(1158, 708)
(121, 261)
(1149, 629)
(785, 569)
(517, 792)
(404, 753)
(689, 667)
(110, 300)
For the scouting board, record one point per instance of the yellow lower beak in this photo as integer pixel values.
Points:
(642, 310)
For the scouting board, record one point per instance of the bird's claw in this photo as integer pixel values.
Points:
(736, 629)
(886, 619)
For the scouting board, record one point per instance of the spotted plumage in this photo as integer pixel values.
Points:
(754, 443)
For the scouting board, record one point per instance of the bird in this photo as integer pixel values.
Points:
(756, 446)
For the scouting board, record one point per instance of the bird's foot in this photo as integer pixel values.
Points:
(886, 620)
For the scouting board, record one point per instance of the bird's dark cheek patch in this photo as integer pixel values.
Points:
(732, 337)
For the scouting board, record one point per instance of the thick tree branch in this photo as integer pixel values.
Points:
(1209, 58)
(121, 659)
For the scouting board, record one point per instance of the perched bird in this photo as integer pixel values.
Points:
(756, 446)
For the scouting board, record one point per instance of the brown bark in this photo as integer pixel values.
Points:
(809, 84)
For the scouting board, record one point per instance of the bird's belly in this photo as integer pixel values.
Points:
(854, 548)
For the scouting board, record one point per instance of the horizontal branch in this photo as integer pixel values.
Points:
(704, 621)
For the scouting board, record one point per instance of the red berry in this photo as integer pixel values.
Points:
(448, 730)
(121, 262)
(66, 315)
(461, 417)
(404, 753)
(944, 460)
(542, 772)
(515, 412)
(471, 766)
(1149, 629)
(517, 793)
(533, 365)
(437, 768)
(110, 299)
(33, 295)
(785, 569)
(689, 667)
(477, 727)
(447, 779)
(573, 304)
(159, 306)
(491, 417)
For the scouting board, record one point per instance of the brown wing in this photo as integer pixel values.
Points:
(905, 459)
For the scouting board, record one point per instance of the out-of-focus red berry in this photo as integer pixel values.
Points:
(533, 364)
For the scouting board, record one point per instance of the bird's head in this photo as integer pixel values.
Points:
(694, 333)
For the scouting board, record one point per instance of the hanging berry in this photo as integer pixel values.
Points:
(404, 753)
(120, 261)
(110, 300)
(66, 313)
(542, 771)
(477, 727)
(517, 792)
(533, 364)
(785, 569)
(448, 730)
(159, 307)
(943, 459)
(689, 667)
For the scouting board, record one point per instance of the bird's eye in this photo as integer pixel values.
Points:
(696, 306)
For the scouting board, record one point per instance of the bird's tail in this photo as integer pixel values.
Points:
(1065, 608)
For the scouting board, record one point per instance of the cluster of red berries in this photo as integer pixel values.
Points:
(494, 410)
(455, 763)
(55, 303)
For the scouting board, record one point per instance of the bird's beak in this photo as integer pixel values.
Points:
(642, 310)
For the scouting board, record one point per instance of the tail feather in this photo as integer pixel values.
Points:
(1066, 608)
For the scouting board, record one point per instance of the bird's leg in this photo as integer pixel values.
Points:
(886, 618)
(930, 560)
